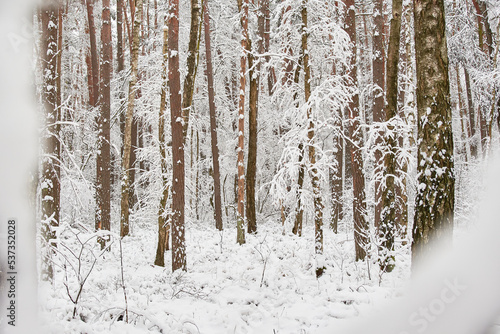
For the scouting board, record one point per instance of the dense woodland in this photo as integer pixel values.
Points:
(362, 121)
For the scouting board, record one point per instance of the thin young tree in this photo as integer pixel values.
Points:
(193, 49)
(213, 119)
(356, 135)
(434, 202)
(253, 106)
(178, 200)
(240, 234)
(318, 206)
(50, 176)
(127, 139)
(378, 92)
(94, 70)
(388, 221)
(162, 210)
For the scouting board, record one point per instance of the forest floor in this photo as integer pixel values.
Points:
(267, 285)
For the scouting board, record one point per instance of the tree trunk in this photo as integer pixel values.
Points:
(253, 106)
(390, 200)
(93, 53)
(50, 184)
(358, 177)
(378, 93)
(193, 48)
(434, 202)
(119, 36)
(336, 180)
(103, 188)
(318, 206)
(299, 211)
(472, 116)
(126, 165)
(162, 222)
(243, 9)
(178, 188)
(213, 120)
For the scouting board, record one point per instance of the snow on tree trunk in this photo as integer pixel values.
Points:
(379, 72)
(178, 187)
(162, 221)
(356, 135)
(390, 201)
(127, 141)
(240, 236)
(434, 202)
(50, 178)
(213, 120)
(103, 186)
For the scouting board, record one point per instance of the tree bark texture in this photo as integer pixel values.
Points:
(93, 54)
(434, 202)
(378, 93)
(193, 48)
(390, 200)
(178, 186)
(318, 206)
(356, 135)
(50, 184)
(253, 106)
(103, 191)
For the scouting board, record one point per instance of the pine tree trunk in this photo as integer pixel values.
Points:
(103, 218)
(51, 187)
(243, 9)
(336, 180)
(178, 188)
(378, 98)
(434, 202)
(213, 120)
(356, 135)
(193, 48)
(253, 106)
(162, 223)
(472, 116)
(318, 206)
(93, 53)
(299, 211)
(126, 163)
(390, 200)
(119, 35)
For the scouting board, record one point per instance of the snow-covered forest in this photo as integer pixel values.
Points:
(255, 166)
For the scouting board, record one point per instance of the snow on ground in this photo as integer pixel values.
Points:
(267, 285)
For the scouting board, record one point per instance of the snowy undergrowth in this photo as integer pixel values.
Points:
(267, 285)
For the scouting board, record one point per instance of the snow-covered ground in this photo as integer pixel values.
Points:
(267, 285)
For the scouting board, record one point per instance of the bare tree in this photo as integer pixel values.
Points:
(388, 221)
(163, 228)
(213, 120)
(243, 9)
(378, 91)
(318, 206)
(134, 61)
(356, 135)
